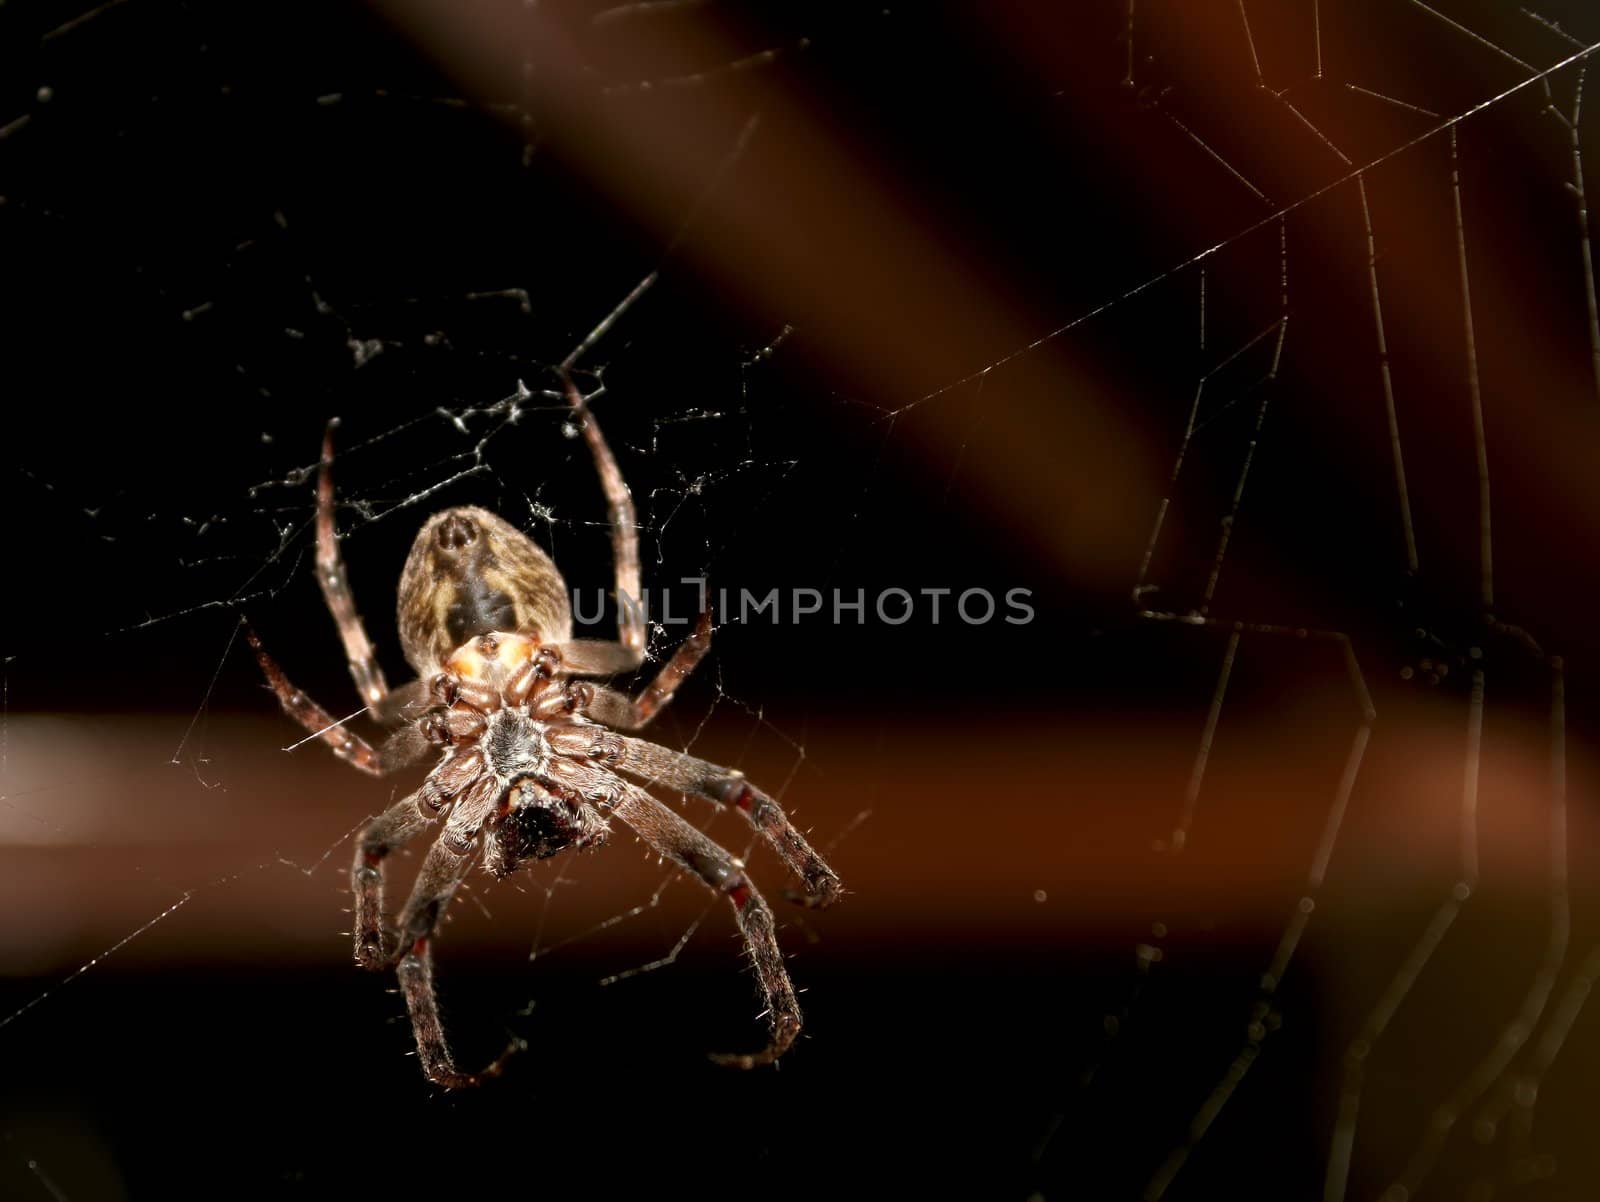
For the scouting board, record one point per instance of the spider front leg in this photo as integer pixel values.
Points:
(335, 584)
(594, 657)
(628, 652)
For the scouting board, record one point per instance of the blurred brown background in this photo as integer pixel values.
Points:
(1258, 864)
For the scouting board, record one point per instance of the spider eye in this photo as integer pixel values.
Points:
(455, 532)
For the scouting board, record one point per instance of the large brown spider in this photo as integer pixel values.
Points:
(528, 763)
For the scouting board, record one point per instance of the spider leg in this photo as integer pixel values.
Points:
(595, 657)
(660, 766)
(404, 704)
(687, 846)
(406, 746)
(376, 947)
(629, 652)
(335, 583)
(611, 708)
(447, 862)
(436, 884)
(676, 670)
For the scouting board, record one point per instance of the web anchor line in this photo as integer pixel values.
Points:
(735, 153)
(1260, 223)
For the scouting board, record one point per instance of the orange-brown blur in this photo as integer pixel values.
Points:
(1257, 344)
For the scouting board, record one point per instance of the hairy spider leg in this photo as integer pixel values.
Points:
(657, 765)
(691, 849)
(677, 669)
(335, 584)
(401, 749)
(376, 947)
(629, 649)
(611, 708)
(440, 876)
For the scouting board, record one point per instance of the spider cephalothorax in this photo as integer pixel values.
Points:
(505, 720)
(529, 761)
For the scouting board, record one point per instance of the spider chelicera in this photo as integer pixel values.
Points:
(530, 763)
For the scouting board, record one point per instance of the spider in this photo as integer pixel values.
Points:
(530, 762)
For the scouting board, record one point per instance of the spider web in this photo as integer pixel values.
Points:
(1259, 343)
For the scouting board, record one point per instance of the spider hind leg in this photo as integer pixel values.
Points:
(436, 885)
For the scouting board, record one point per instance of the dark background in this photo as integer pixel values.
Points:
(865, 364)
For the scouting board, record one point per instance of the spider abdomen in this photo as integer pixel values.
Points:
(469, 573)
